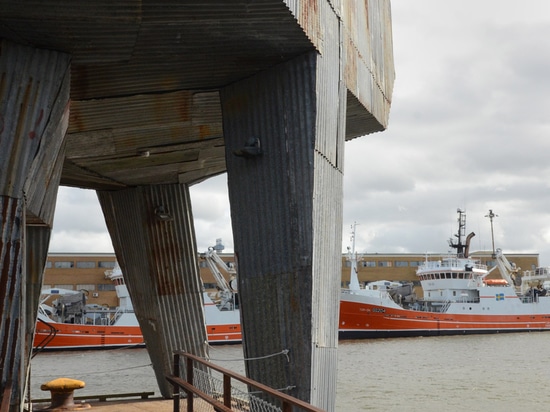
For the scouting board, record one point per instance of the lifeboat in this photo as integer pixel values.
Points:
(496, 282)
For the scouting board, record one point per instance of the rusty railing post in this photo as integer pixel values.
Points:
(176, 372)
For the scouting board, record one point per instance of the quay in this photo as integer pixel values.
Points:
(122, 405)
(204, 386)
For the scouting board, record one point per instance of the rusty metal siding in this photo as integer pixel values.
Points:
(368, 60)
(272, 229)
(201, 35)
(101, 30)
(45, 172)
(367, 54)
(162, 138)
(328, 184)
(158, 259)
(34, 92)
(294, 192)
(307, 14)
(327, 211)
(328, 90)
(37, 240)
(324, 374)
(29, 91)
(12, 325)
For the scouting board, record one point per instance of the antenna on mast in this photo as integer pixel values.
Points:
(462, 249)
(352, 256)
(491, 215)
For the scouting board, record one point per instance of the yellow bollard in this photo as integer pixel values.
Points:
(62, 392)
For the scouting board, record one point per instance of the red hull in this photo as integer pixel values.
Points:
(361, 320)
(75, 336)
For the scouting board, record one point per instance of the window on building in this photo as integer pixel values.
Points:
(414, 264)
(401, 263)
(48, 264)
(86, 264)
(63, 265)
(202, 264)
(106, 264)
(347, 264)
(62, 286)
(369, 264)
(87, 287)
(105, 287)
(385, 264)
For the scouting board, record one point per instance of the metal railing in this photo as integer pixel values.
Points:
(226, 392)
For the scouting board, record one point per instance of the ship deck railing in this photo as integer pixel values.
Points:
(207, 386)
(450, 262)
(438, 306)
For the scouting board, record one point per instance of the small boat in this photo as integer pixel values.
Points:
(70, 323)
(457, 299)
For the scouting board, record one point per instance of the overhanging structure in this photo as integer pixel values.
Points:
(139, 100)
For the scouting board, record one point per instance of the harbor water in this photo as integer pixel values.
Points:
(502, 372)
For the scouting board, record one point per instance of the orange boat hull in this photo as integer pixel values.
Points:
(75, 336)
(362, 320)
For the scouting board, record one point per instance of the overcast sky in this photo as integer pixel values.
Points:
(468, 129)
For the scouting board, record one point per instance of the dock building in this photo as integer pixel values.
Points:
(86, 271)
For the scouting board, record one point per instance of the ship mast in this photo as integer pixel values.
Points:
(461, 248)
(491, 216)
(352, 257)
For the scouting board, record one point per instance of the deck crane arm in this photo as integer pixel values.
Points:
(215, 263)
(507, 270)
(228, 296)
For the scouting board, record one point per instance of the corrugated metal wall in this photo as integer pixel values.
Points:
(34, 93)
(158, 260)
(11, 324)
(367, 47)
(271, 206)
(286, 213)
(327, 211)
(368, 56)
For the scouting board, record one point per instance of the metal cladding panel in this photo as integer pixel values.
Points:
(45, 173)
(160, 138)
(327, 217)
(190, 38)
(368, 61)
(367, 54)
(12, 323)
(37, 242)
(101, 30)
(328, 88)
(189, 108)
(31, 83)
(158, 260)
(287, 243)
(278, 108)
(308, 16)
(325, 375)
(271, 207)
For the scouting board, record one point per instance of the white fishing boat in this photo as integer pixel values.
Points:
(70, 323)
(457, 299)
